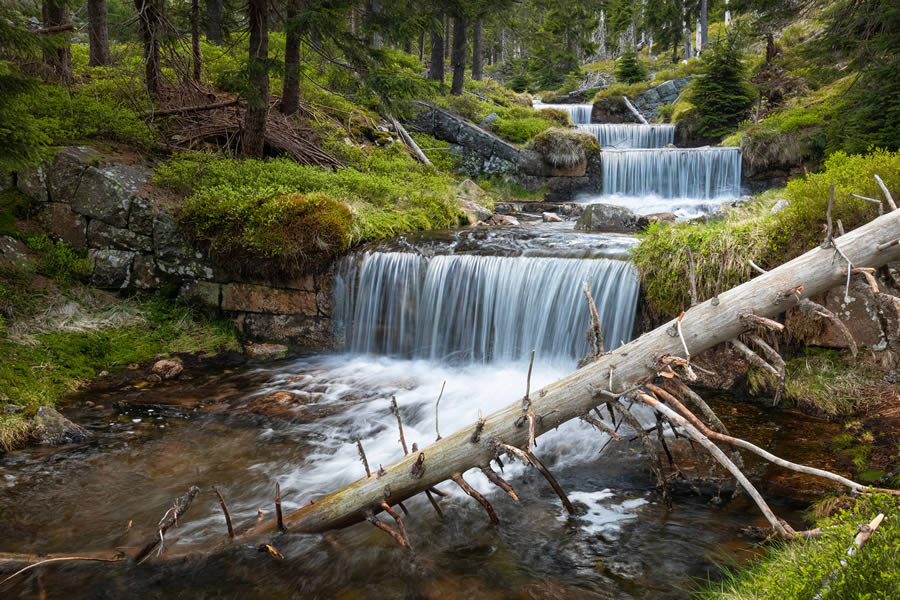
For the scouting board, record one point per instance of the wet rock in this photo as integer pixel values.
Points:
(51, 428)
(470, 196)
(607, 218)
(153, 378)
(502, 220)
(305, 332)
(204, 293)
(531, 163)
(266, 351)
(167, 369)
(64, 223)
(13, 253)
(551, 217)
(663, 217)
(112, 268)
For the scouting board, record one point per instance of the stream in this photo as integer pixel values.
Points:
(458, 311)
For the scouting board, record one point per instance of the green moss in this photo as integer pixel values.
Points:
(802, 569)
(438, 152)
(14, 205)
(520, 130)
(564, 147)
(752, 233)
(616, 91)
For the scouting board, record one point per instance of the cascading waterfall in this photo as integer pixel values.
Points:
(579, 113)
(470, 308)
(673, 173)
(617, 135)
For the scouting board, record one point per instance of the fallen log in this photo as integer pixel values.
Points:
(701, 327)
(183, 110)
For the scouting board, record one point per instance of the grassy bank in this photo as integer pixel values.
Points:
(805, 569)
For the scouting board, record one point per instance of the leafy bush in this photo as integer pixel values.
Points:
(752, 233)
(59, 261)
(629, 69)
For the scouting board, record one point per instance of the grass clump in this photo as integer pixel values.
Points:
(290, 217)
(59, 261)
(752, 232)
(564, 148)
(803, 569)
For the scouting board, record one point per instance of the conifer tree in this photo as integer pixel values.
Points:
(724, 95)
(629, 69)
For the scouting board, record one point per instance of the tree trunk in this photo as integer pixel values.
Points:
(477, 50)
(214, 11)
(421, 46)
(195, 38)
(290, 94)
(703, 326)
(704, 24)
(458, 58)
(98, 33)
(446, 34)
(771, 49)
(254, 132)
(55, 12)
(436, 68)
(150, 22)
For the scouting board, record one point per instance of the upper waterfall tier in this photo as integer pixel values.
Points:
(673, 173)
(470, 308)
(622, 136)
(578, 113)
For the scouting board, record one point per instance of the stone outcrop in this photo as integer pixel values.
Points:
(53, 429)
(608, 218)
(613, 110)
(111, 208)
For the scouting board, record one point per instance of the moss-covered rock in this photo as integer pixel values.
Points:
(564, 148)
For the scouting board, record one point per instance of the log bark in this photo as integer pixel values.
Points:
(458, 57)
(55, 15)
(436, 65)
(477, 49)
(195, 39)
(150, 18)
(703, 326)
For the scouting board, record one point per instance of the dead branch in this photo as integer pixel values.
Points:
(596, 331)
(526, 401)
(829, 229)
(809, 307)
(600, 425)
(45, 561)
(278, 517)
(56, 29)
(396, 410)
(371, 518)
(458, 479)
(756, 321)
(434, 503)
(755, 359)
(184, 110)
(652, 456)
(362, 457)
(887, 194)
(397, 519)
(178, 509)
(776, 360)
(436, 406)
(535, 461)
(499, 482)
(225, 512)
(692, 274)
(410, 143)
(699, 402)
(869, 274)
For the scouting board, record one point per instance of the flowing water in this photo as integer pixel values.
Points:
(626, 135)
(578, 113)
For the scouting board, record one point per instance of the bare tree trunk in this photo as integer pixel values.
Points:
(436, 68)
(195, 38)
(150, 21)
(703, 326)
(55, 12)
(477, 50)
(254, 133)
(446, 34)
(98, 33)
(458, 58)
(421, 46)
(290, 94)
(214, 11)
(704, 24)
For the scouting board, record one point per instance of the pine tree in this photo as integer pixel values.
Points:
(723, 96)
(629, 69)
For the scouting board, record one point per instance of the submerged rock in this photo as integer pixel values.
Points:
(551, 217)
(53, 429)
(608, 218)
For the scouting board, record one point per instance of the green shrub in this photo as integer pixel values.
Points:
(59, 261)
(440, 153)
(629, 69)
(520, 130)
(556, 116)
(723, 96)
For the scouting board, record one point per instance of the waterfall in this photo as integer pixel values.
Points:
(614, 135)
(673, 173)
(578, 113)
(480, 308)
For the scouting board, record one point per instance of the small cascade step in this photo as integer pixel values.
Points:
(470, 308)
(578, 113)
(673, 173)
(627, 135)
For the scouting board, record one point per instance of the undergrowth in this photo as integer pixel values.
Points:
(753, 233)
(804, 569)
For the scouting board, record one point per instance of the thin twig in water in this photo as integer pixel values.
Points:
(436, 405)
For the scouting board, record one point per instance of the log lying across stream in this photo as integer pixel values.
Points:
(703, 326)
(665, 352)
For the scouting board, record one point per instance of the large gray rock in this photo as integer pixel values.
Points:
(607, 217)
(13, 253)
(475, 138)
(112, 268)
(32, 182)
(53, 429)
(446, 126)
(169, 243)
(141, 215)
(64, 223)
(104, 235)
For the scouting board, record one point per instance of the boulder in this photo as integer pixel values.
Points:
(167, 369)
(662, 217)
(112, 268)
(608, 218)
(530, 162)
(32, 182)
(779, 206)
(204, 293)
(144, 272)
(13, 253)
(64, 223)
(502, 220)
(470, 198)
(475, 138)
(245, 297)
(265, 351)
(489, 120)
(53, 429)
(141, 216)
(551, 217)
(169, 243)
(305, 332)
(103, 235)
